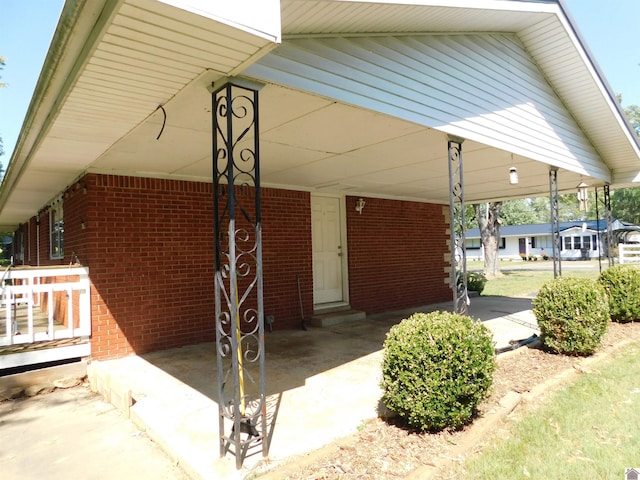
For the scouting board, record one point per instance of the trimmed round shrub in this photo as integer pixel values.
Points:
(622, 284)
(437, 367)
(476, 281)
(573, 314)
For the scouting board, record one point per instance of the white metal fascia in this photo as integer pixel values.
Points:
(260, 18)
(502, 5)
(604, 140)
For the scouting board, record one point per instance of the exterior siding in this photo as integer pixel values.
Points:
(543, 243)
(480, 87)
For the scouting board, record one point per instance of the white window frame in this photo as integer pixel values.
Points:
(56, 230)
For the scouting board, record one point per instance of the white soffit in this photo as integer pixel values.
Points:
(114, 63)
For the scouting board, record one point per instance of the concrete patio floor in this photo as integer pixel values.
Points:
(321, 384)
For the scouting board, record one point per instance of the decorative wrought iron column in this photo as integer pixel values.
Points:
(239, 312)
(458, 227)
(599, 237)
(607, 216)
(555, 221)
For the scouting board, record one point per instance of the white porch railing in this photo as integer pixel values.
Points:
(629, 252)
(29, 298)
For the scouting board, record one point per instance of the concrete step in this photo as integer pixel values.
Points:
(328, 319)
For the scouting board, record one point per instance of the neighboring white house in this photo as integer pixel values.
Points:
(580, 240)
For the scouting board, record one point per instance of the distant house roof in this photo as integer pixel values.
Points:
(539, 229)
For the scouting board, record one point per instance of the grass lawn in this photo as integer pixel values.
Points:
(590, 429)
(525, 278)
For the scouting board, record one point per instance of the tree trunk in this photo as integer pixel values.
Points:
(489, 223)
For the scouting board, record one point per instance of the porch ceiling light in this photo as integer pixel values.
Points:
(360, 205)
(513, 176)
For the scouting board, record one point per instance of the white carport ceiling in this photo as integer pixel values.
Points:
(114, 61)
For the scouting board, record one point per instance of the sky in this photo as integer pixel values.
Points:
(609, 29)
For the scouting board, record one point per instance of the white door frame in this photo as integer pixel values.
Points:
(343, 242)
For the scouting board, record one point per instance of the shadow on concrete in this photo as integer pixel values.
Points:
(322, 380)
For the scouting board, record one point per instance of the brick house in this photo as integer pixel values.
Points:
(358, 100)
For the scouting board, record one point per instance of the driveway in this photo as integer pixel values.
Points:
(72, 433)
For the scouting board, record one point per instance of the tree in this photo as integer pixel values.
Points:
(2, 60)
(488, 217)
(519, 212)
(625, 201)
(633, 114)
(624, 205)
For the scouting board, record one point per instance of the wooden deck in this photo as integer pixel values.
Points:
(29, 353)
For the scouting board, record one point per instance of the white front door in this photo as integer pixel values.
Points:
(328, 250)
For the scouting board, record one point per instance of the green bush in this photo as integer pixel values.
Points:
(476, 281)
(622, 284)
(436, 369)
(573, 314)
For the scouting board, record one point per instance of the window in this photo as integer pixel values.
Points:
(533, 242)
(56, 229)
(473, 243)
(577, 243)
(18, 246)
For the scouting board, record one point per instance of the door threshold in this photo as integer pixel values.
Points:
(330, 307)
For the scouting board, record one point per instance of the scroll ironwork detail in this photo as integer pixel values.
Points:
(458, 228)
(239, 310)
(555, 221)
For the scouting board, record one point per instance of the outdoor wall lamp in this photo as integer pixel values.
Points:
(513, 176)
(360, 205)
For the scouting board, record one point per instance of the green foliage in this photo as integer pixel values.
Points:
(476, 281)
(633, 115)
(573, 314)
(437, 368)
(2, 63)
(624, 204)
(622, 284)
(518, 212)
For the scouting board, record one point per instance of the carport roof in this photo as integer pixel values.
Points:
(112, 62)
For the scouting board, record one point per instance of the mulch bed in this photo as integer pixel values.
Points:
(381, 450)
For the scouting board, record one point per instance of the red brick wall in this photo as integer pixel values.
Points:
(150, 256)
(396, 255)
(149, 247)
(148, 244)
(287, 252)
